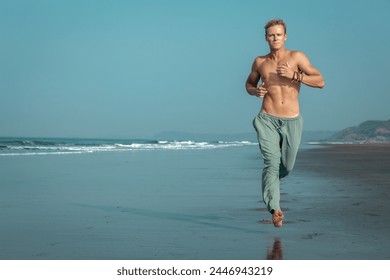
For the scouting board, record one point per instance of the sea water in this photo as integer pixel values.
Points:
(26, 146)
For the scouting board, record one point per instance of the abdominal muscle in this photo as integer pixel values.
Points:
(281, 101)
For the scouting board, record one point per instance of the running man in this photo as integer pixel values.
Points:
(279, 124)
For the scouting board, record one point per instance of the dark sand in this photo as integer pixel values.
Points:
(353, 200)
(369, 163)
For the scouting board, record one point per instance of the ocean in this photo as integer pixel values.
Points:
(61, 146)
(27, 146)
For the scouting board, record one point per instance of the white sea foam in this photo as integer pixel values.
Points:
(74, 147)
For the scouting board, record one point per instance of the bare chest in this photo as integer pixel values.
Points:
(267, 69)
(277, 85)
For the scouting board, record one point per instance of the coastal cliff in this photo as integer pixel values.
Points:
(366, 132)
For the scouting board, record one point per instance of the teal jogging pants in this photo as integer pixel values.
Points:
(279, 140)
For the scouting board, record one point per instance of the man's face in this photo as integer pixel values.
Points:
(275, 37)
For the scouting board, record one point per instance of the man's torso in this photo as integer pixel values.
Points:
(282, 97)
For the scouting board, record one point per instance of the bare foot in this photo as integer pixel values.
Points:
(277, 218)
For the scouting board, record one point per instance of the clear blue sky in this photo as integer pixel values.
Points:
(75, 68)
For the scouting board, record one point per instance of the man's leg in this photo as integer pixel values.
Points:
(291, 139)
(279, 141)
(269, 142)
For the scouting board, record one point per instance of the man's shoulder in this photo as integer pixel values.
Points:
(296, 54)
(260, 59)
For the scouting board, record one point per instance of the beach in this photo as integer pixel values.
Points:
(194, 204)
(352, 200)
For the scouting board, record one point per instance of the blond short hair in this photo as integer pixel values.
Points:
(274, 22)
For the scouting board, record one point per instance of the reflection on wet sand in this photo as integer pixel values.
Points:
(276, 252)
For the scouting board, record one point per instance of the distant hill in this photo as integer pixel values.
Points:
(366, 132)
(181, 135)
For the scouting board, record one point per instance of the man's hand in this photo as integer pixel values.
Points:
(285, 70)
(261, 90)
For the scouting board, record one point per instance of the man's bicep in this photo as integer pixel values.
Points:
(253, 78)
(305, 66)
(310, 70)
(254, 75)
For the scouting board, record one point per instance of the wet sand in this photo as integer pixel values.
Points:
(368, 163)
(352, 201)
(194, 205)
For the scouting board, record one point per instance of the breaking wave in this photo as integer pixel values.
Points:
(16, 147)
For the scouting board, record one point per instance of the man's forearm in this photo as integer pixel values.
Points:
(251, 89)
(313, 81)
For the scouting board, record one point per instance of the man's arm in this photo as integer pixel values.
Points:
(311, 76)
(253, 80)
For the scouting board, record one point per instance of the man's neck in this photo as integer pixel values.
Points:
(277, 55)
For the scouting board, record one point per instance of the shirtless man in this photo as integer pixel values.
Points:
(279, 124)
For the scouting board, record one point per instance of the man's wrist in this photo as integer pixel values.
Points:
(252, 91)
(297, 77)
